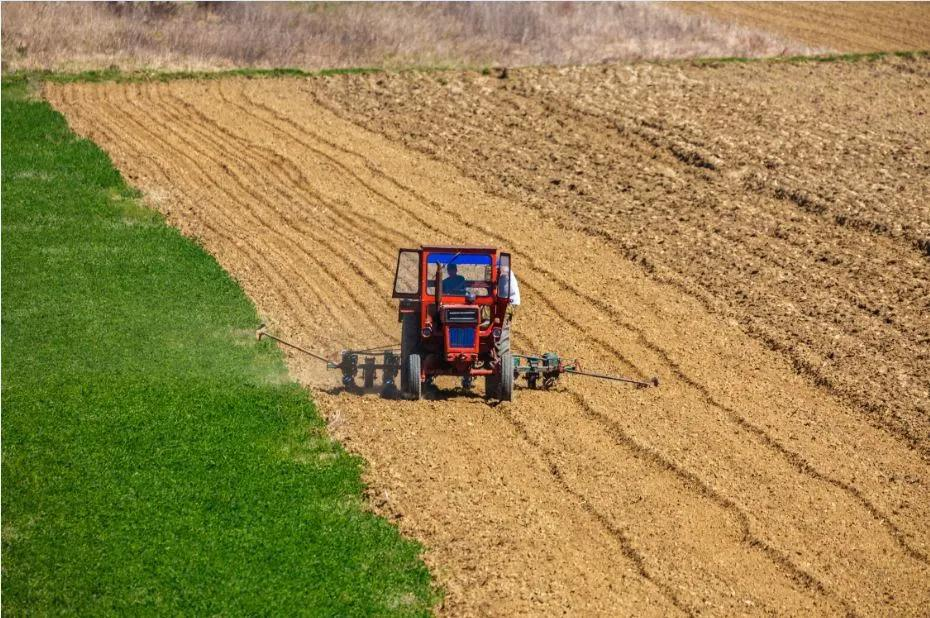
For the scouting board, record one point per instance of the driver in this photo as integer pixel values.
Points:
(454, 283)
(514, 290)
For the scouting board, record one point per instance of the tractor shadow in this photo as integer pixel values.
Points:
(430, 393)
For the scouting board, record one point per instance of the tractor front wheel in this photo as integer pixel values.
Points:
(414, 384)
(409, 338)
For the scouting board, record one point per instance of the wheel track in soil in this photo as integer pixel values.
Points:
(795, 459)
(747, 536)
(691, 480)
(800, 359)
(536, 294)
(163, 172)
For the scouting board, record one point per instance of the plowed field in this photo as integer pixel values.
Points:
(843, 26)
(740, 485)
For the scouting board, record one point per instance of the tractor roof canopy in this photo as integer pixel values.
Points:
(459, 258)
(476, 270)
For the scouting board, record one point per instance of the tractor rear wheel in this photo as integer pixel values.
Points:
(414, 385)
(506, 387)
(409, 338)
(501, 386)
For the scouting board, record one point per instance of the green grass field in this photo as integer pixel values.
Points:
(156, 458)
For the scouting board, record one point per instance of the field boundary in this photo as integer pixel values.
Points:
(120, 76)
(156, 456)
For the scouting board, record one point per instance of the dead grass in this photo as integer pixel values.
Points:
(198, 36)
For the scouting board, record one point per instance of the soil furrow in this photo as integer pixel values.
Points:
(280, 227)
(796, 460)
(735, 487)
(229, 242)
(782, 561)
(880, 286)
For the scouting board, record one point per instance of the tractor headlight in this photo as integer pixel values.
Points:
(427, 331)
(496, 332)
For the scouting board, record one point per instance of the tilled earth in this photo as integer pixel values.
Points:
(741, 485)
(844, 26)
(791, 197)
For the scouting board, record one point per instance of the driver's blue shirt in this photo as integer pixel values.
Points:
(453, 284)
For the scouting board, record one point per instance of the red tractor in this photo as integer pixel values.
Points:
(453, 315)
(454, 321)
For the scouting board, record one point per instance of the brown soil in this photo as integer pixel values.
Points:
(845, 26)
(790, 197)
(736, 487)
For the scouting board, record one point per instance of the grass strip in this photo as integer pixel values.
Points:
(117, 75)
(849, 57)
(156, 458)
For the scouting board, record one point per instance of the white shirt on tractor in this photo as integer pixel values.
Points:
(513, 285)
(514, 290)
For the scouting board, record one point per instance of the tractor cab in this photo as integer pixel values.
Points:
(453, 307)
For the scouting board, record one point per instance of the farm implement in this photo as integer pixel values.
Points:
(454, 321)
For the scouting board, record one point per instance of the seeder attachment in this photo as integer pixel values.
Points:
(386, 361)
(544, 369)
(541, 370)
(372, 360)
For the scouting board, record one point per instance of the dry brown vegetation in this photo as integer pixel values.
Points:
(845, 26)
(78, 36)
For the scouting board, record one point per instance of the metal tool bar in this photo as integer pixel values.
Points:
(653, 382)
(261, 332)
(380, 347)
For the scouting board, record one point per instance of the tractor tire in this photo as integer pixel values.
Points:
(506, 386)
(409, 341)
(506, 378)
(414, 385)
